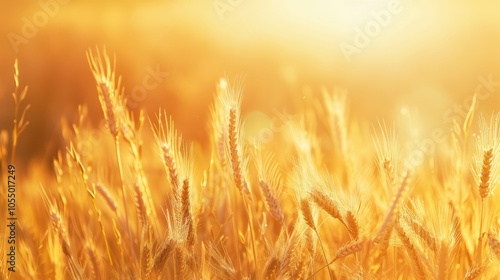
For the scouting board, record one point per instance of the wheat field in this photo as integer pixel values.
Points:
(336, 197)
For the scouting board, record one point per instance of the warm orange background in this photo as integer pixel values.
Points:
(426, 59)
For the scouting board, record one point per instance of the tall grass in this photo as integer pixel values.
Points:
(143, 204)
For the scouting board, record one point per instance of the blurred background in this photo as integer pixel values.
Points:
(422, 59)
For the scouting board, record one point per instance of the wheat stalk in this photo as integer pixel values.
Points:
(422, 233)
(308, 218)
(394, 206)
(344, 251)
(442, 268)
(111, 99)
(21, 123)
(412, 251)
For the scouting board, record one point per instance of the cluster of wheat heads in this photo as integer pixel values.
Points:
(140, 203)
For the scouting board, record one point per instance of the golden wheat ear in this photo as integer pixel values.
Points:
(58, 224)
(487, 169)
(270, 183)
(169, 145)
(477, 270)
(396, 204)
(487, 165)
(219, 121)
(107, 196)
(413, 252)
(230, 99)
(387, 153)
(494, 243)
(20, 122)
(108, 89)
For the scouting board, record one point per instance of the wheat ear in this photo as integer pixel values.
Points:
(476, 271)
(271, 201)
(327, 204)
(352, 224)
(494, 245)
(235, 157)
(109, 96)
(140, 204)
(308, 218)
(442, 268)
(19, 124)
(423, 234)
(394, 206)
(107, 196)
(92, 192)
(412, 252)
(271, 268)
(484, 192)
(94, 264)
(186, 215)
(344, 251)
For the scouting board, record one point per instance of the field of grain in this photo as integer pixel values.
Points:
(327, 181)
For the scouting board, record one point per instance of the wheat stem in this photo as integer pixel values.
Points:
(120, 169)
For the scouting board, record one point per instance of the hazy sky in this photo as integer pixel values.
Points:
(424, 56)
